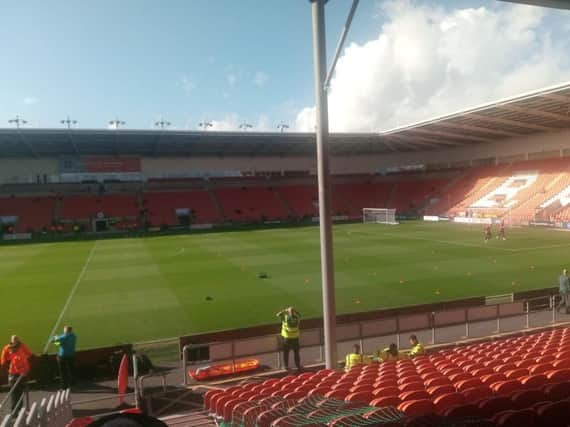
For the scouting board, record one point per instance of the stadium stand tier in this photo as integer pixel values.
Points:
(505, 381)
(519, 192)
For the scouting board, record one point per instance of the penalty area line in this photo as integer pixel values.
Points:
(70, 296)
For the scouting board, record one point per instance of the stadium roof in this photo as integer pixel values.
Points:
(556, 4)
(542, 111)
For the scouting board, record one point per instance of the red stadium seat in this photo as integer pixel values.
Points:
(438, 390)
(510, 418)
(553, 414)
(506, 387)
(493, 378)
(467, 384)
(516, 373)
(494, 405)
(415, 386)
(362, 396)
(527, 398)
(437, 381)
(542, 368)
(476, 394)
(558, 391)
(386, 391)
(417, 407)
(461, 411)
(446, 401)
(534, 381)
(558, 375)
(414, 395)
(386, 401)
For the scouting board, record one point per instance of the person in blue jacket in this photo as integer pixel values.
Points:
(66, 344)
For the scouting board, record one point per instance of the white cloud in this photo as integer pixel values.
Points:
(30, 100)
(428, 61)
(260, 79)
(187, 84)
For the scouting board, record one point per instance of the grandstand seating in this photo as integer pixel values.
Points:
(34, 213)
(523, 377)
(161, 206)
(520, 192)
(303, 200)
(248, 204)
(85, 207)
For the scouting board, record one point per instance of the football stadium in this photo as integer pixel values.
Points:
(418, 275)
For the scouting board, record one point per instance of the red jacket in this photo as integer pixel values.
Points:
(16, 359)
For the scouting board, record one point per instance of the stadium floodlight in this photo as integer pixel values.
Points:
(245, 126)
(116, 123)
(162, 123)
(205, 125)
(379, 216)
(282, 126)
(68, 122)
(18, 122)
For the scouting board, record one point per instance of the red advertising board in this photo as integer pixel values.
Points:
(111, 164)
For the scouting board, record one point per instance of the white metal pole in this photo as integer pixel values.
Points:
(325, 219)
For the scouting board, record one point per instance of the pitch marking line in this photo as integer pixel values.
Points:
(473, 245)
(448, 242)
(70, 296)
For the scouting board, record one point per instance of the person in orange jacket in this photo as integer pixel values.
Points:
(15, 357)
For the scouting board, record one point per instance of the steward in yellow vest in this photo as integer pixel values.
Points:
(417, 347)
(356, 358)
(290, 321)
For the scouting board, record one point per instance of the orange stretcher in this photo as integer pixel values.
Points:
(215, 371)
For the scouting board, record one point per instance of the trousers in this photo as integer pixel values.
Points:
(288, 345)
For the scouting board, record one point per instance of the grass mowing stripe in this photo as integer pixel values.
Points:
(70, 297)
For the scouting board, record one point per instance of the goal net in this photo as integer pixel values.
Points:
(379, 216)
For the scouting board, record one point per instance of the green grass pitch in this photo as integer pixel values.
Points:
(130, 290)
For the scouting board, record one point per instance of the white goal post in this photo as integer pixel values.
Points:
(379, 216)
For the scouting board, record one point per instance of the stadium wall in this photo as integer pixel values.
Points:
(25, 170)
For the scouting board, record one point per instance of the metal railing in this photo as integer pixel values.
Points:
(436, 328)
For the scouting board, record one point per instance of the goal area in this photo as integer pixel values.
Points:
(379, 216)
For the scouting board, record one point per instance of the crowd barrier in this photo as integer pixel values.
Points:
(434, 327)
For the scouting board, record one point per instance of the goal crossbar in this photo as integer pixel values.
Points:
(379, 216)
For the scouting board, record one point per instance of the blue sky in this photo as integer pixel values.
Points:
(190, 60)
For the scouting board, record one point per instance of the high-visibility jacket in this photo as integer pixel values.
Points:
(290, 326)
(355, 359)
(417, 350)
(16, 359)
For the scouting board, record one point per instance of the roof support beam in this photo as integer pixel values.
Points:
(532, 112)
(509, 122)
(450, 135)
(557, 97)
(433, 141)
(476, 129)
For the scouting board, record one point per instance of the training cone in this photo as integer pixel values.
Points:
(357, 301)
(437, 292)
